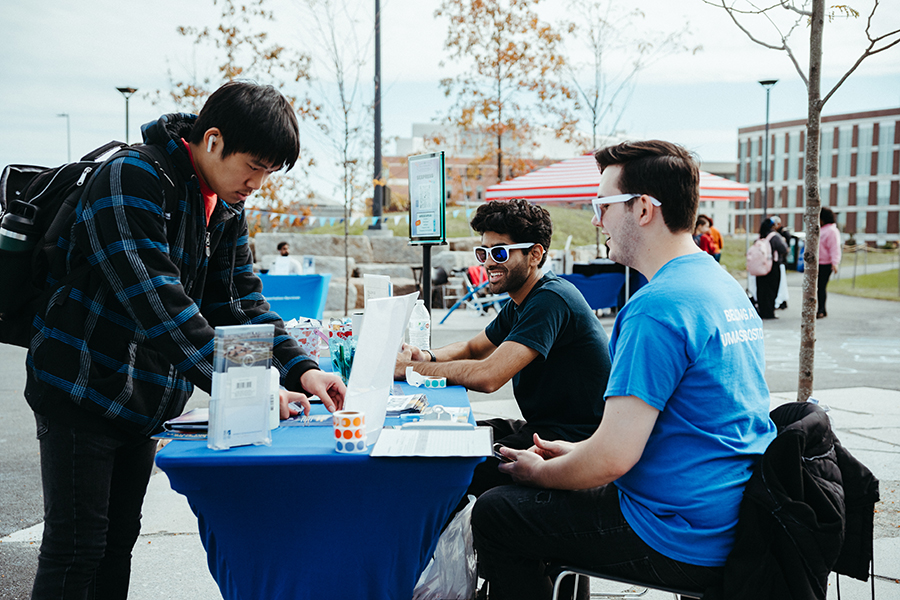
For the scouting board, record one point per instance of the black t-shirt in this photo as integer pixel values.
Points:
(562, 389)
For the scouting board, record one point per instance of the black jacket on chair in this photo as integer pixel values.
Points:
(807, 510)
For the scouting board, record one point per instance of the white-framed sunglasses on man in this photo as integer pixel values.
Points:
(499, 254)
(601, 201)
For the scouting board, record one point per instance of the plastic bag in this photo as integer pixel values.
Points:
(450, 575)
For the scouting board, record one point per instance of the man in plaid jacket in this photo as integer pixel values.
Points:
(118, 351)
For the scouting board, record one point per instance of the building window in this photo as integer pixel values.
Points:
(843, 190)
(882, 199)
(825, 154)
(793, 154)
(864, 151)
(844, 143)
(885, 148)
(754, 159)
(779, 159)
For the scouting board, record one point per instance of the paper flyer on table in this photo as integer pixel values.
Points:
(372, 376)
(435, 442)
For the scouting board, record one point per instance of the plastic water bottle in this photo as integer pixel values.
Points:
(420, 326)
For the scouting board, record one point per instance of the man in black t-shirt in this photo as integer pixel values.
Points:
(546, 340)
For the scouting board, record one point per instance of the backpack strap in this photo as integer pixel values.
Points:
(104, 149)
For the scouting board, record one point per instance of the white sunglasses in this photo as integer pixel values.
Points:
(599, 201)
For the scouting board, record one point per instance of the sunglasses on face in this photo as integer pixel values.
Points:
(499, 254)
(601, 201)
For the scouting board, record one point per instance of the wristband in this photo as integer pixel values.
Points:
(433, 357)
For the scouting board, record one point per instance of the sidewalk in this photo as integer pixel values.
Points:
(169, 560)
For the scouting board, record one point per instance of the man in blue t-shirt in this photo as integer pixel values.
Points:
(536, 341)
(655, 491)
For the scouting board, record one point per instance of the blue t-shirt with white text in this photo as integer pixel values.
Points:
(690, 344)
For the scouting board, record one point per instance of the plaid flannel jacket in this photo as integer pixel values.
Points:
(132, 337)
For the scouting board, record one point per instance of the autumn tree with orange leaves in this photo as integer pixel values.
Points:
(512, 80)
(243, 50)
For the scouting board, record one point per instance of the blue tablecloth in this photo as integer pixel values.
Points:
(298, 520)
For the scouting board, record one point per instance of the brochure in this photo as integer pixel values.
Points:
(239, 406)
(406, 404)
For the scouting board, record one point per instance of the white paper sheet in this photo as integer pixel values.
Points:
(372, 376)
(434, 442)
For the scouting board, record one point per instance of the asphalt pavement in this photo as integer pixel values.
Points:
(857, 360)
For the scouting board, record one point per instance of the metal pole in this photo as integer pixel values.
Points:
(378, 196)
(765, 200)
(127, 92)
(426, 275)
(766, 83)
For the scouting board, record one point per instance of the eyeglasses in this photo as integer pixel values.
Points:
(601, 201)
(499, 254)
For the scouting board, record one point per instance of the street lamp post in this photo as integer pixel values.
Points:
(766, 83)
(68, 137)
(127, 92)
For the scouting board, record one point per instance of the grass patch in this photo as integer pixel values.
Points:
(881, 286)
(566, 221)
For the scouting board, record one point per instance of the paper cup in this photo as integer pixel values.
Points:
(349, 431)
(308, 337)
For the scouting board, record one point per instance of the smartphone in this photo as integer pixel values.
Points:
(499, 456)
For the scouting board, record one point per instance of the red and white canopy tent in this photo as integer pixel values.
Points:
(575, 180)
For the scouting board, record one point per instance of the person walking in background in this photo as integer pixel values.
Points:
(767, 285)
(829, 256)
(702, 237)
(716, 236)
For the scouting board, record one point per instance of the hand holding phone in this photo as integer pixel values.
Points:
(500, 456)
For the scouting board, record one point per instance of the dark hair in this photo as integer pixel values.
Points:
(660, 169)
(826, 216)
(765, 228)
(281, 245)
(255, 119)
(707, 217)
(702, 219)
(521, 220)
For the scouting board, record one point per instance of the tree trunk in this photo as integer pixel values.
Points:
(813, 205)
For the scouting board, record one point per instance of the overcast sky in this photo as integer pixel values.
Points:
(68, 57)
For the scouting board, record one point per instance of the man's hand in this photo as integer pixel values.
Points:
(327, 386)
(524, 467)
(285, 397)
(407, 355)
(547, 449)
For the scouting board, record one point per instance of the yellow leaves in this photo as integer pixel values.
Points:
(841, 10)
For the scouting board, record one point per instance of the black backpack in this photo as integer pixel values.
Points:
(44, 199)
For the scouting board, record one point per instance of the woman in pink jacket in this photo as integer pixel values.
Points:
(829, 255)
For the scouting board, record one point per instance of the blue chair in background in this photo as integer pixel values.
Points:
(296, 296)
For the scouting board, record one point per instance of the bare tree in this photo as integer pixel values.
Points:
(344, 116)
(618, 47)
(813, 13)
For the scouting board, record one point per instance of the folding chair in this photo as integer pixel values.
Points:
(563, 571)
(476, 298)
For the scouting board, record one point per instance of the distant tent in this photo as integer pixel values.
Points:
(576, 179)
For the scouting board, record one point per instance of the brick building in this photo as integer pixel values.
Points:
(859, 174)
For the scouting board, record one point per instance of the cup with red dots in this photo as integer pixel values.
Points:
(350, 431)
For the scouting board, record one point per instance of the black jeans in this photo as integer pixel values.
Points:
(518, 529)
(767, 291)
(822, 285)
(94, 479)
